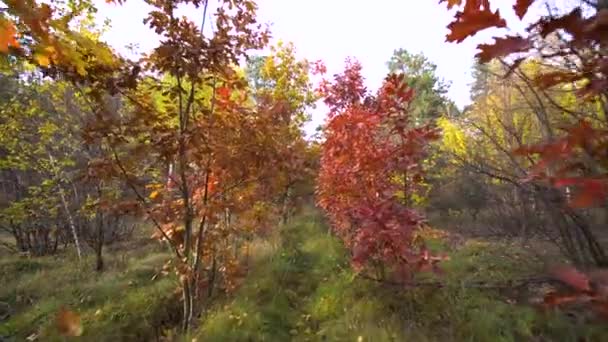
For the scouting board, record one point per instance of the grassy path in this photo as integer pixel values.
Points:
(276, 301)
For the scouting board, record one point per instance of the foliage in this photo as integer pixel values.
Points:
(573, 47)
(576, 58)
(213, 155)
(180, 128)
(369, 145)
(283, 80)
(47, 199)
(486, 179)
(420, 74)
(583, 289)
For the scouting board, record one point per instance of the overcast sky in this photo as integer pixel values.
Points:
(332, 30)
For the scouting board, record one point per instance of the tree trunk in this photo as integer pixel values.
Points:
(67, 211)
(212, 276)
(70, 222)
(56, 242)
(99, 243)
(187, 297)
(285, 205)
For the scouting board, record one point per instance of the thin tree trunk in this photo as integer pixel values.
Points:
(285, 204)
(56, 242)
(212, 276)
(100, 235)
(70, 222)
(99, 246)
(188, 213)
(67, 210)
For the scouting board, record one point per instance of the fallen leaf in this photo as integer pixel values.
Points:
(68, 323)
(555, 299)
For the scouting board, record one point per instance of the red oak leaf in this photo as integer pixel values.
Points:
(468, 23)
(521, 7)
(503, 47)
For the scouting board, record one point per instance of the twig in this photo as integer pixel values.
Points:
(8, 246)
(142, 199)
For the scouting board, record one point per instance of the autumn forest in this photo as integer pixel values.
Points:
(177, 195)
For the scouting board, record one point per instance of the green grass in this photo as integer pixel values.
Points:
(121, 304)
(304, 290)
(300, 287)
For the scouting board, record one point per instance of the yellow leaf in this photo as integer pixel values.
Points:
(80, 68)
(68, 323)
(42, 60)
(153, 194)
(154, 186)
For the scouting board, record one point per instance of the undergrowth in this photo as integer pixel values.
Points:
(300, 287)
(304, 290)
(123, 303)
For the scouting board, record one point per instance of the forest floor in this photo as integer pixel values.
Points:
(300, 287)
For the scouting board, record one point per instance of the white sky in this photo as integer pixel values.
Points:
(332, 30)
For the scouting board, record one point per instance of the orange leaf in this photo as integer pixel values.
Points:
(521, 7)
(503, 47)
(593, 191)
(8, 35)
(212, 184)
(452, 3)
(468, 23)
(68, 323)
(572, 277)
(583, 200)
(223, 92)
(554, 299)
(601, 309)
